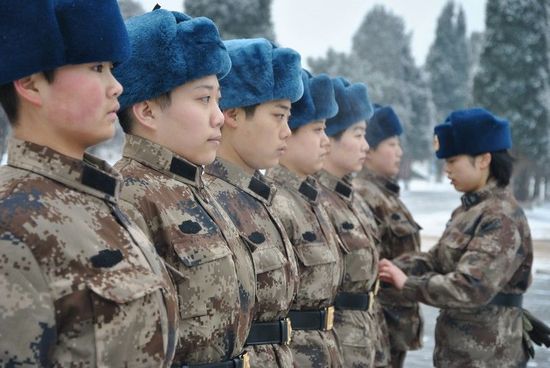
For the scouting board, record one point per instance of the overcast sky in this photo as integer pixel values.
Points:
(312, 26)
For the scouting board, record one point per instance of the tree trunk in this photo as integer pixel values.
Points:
(538, 182)
(521, 182)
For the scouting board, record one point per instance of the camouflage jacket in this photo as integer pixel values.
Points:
(247, 200)
(80, 283)
(363, 335)
(211, 266)
(485, 249)
(399, 234)
(315, 246)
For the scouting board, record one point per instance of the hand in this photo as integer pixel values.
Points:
(392, 274)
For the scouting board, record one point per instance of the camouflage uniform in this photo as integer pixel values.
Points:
(399, 234)
(316, 249)
(212, 268)
(362, 334)
(247, 200)
(80, 284)
(485, 250)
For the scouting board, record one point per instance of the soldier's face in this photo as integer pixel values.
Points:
(307, 148)
(261, 140)
(467, 173)
(385, 159)
(80, 104)
(191, 124)
(348, 154)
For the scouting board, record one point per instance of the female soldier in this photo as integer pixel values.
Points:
(480, 268)
(171, 116)
(358, 323)
(398, 231)
(308, 227)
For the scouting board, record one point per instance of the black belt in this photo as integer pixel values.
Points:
(354, 301)
(278, 332)
(322, 319)
(507, 300)
(242, 361)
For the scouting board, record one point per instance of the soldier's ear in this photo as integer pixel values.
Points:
(145, 114)
(484, 160)
(232, 117)
(29, 88)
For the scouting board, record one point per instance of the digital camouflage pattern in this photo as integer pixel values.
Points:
(485, 249)
(212, 267)
(315, 246)
(399, 234)
(363, 335)
(247, 200)
(80, 284)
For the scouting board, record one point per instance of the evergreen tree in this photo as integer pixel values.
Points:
(4, 130)
(334, 64)
(513, 81)
(236, 18)
(381, 50)
(447, 64)
(475, 46)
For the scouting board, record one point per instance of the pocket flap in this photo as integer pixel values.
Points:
(267, 259)
(197, 253)
(124, 285)
(402, 227)
(312, 254)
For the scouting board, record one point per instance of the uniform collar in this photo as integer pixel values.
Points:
(289, 180)
(161, 159)
(340, 186)
(387, 185)
(90, 175)
(254, 184)
(469, 200)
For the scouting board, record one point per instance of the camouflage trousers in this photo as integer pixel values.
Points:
(312, 349)
(270, 356)
(356, 332)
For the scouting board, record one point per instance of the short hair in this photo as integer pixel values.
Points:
(9, 100)
(249, 111)
(501, 167)
(126, 117)
(338, 135)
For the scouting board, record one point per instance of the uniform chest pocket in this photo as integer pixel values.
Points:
(267, 259)
(125, 303)
(401, 227)
(208, 272)
(314, 253)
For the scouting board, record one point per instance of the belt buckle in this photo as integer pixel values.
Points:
(376, 288)
(371, 300)
(245, 359)
(286, 339)
(329, 318)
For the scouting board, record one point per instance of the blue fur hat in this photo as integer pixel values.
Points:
(169, 49)
(43, 35)
(353, 105)
(471, 132)
(382, 125)
(317, 102)
(261, 72)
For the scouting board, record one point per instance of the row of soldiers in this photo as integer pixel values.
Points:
(185, 254)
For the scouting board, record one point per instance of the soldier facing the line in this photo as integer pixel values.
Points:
(480, 268)
(399, 233)
(313, 238)
(171, 116)
(80, 283)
